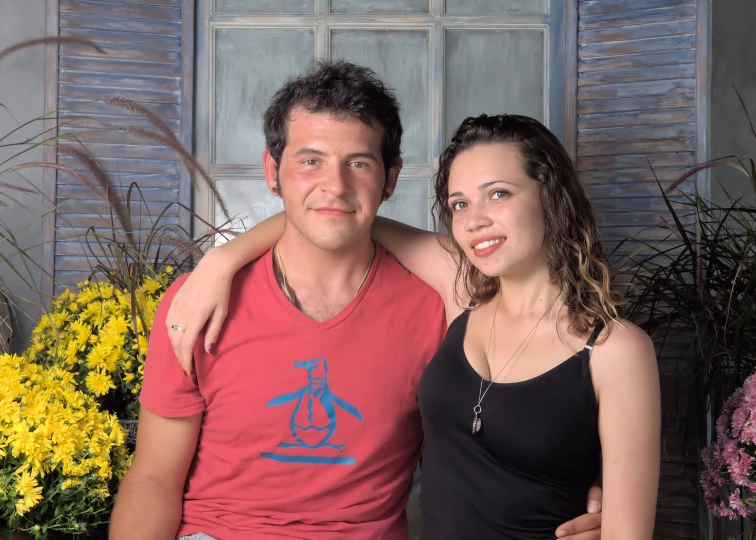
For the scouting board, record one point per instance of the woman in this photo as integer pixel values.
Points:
(563, 389)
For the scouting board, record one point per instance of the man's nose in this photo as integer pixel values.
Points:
(336, 181)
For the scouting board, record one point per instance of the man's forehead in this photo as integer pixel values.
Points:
(328, 119)
(324, 131)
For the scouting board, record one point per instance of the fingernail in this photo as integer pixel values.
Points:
(560, 533)
(594, 507)
(209, 348)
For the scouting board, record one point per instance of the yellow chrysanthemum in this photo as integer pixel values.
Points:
(30, 492)
(99, 383)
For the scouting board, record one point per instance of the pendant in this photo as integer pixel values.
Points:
(477, 422)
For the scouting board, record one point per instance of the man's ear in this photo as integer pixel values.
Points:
(392, 177)
(271, 172)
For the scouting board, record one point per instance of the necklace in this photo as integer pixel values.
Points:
(477, 422)
(285, 287)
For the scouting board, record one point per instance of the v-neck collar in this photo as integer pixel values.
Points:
(304, 319)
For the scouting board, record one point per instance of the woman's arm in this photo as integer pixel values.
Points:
(205, 294)
(626, 377)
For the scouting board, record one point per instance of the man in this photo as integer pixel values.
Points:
(303, 423)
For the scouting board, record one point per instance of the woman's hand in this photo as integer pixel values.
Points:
(204, 295)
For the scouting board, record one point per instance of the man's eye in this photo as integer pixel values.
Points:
(359, 164)
(310, 161)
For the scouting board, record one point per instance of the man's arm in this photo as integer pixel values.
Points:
(148, 504)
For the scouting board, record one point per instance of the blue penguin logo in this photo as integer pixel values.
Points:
(313, 420)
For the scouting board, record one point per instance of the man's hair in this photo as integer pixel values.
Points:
(341, 89)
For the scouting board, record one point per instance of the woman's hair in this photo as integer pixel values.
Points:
(576, 261)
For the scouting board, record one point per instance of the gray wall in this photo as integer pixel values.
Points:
(22, 77)
(732, 63)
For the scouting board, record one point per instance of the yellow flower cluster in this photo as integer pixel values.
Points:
(54, 442)
(91, 333)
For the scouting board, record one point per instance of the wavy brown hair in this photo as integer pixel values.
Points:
(576, 261)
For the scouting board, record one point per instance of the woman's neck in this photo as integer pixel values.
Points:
(527, 294)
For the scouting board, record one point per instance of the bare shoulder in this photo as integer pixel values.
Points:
(626, 347)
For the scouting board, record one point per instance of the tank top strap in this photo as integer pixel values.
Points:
(593, 337)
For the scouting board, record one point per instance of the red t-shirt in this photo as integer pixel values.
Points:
(310, 430)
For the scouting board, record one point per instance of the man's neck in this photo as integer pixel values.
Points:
(321, 282)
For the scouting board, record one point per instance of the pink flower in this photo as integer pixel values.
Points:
(739, 417)
(724, 511)
(737, 504)
(729, 461)
(748, 434)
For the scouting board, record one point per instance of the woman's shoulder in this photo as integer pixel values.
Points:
(623, 342)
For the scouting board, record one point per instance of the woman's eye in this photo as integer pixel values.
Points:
(456, 206)
(499, 194)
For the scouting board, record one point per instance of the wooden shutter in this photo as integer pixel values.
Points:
(149, 56)
(637, 106)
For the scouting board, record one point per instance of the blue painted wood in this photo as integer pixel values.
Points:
(126, 53)
(81, 249)
(594, 7)
(173, 3)
(117, 80)
(645, 88)
(100, 150)
(642, 103)
(678, 71)
(147, 58)
(623, 18)
(643, 177)
(128, 39)
(121, 24)
(637, 118)
(622, 161)
(94, 92)
(638, 31)
(117, 9)
(123, 165)
(636, 133)
(159, 194)
(123, 67)
(78, 223)
(638, 46)
(639, 147)
(167, 111)
(99, 207)
(665, 58)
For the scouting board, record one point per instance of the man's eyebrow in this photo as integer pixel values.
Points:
(368, 155)
(309, 151)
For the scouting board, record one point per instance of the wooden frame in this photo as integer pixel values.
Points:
(570, 77)
(186, 135)
(49, 152)
(703, 91)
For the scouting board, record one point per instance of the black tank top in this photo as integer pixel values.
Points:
(528, 469)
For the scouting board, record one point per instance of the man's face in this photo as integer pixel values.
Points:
(331, 177)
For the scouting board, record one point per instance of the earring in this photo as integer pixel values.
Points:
(386, 195)
(274, 189)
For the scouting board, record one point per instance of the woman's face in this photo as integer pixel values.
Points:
(497, 216)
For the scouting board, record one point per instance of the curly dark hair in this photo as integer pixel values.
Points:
(576, 260)
(342, 89)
